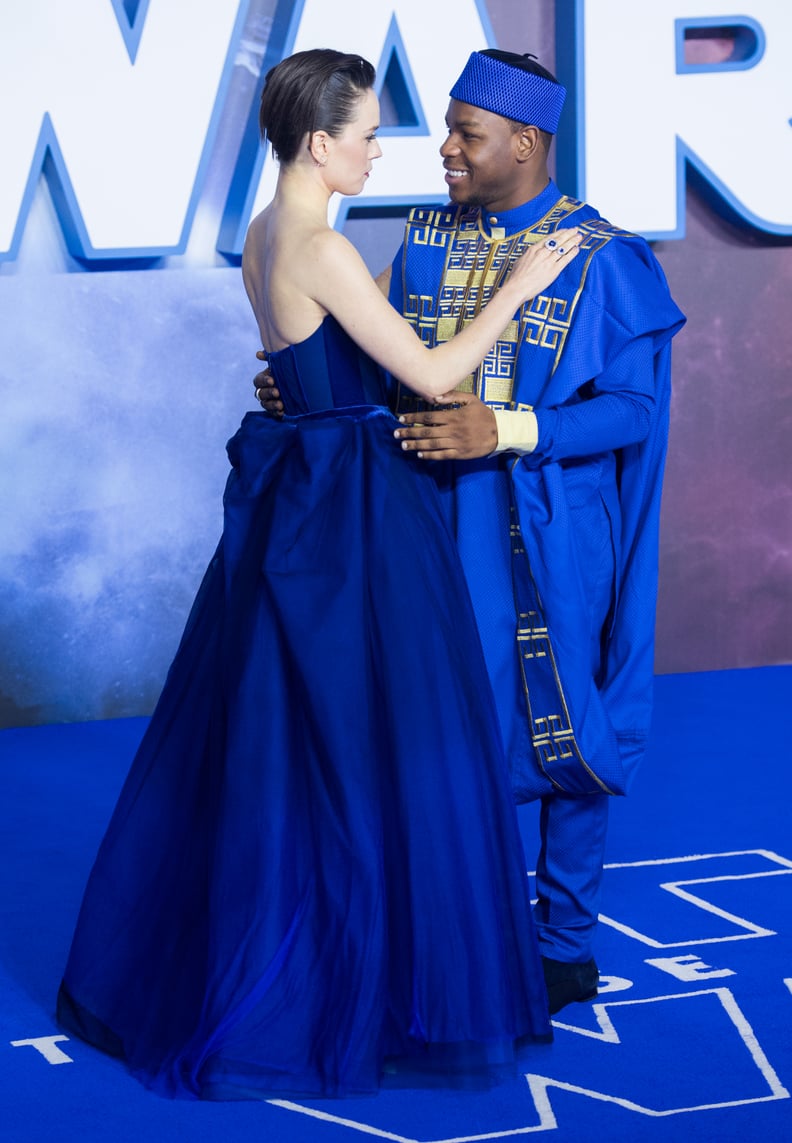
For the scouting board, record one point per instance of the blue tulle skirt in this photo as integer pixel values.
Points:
(313, 880)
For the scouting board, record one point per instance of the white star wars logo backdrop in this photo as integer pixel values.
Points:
(131, 167)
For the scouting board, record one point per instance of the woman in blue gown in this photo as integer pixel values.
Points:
(314, 884)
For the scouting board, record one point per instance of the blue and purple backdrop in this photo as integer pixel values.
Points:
(130, 170)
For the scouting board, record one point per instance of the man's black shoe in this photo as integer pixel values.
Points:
(567, 983)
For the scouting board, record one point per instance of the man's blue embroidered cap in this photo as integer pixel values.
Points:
(510, 91)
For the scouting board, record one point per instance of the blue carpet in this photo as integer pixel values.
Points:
(690, 1037)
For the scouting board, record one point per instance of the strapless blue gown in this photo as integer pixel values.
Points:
(313, 879)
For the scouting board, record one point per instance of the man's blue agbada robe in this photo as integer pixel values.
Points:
(560, 546)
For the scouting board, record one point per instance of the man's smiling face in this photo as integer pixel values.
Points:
(480, 158)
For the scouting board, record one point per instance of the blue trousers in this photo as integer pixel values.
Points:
(572, 830)
(572, 834)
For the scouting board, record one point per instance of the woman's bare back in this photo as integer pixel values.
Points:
(276, 269)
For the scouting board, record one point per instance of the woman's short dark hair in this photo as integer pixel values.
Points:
(317, 90)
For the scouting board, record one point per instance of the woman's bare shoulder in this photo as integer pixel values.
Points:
(253, 248)
(325, 243)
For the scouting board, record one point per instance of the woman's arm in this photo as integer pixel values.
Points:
(335, 276)
(383, 281)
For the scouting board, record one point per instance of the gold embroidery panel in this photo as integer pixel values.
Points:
(419, 312)
(475, 267)
(552, 735)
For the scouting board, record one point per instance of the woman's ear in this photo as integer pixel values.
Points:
(318, 147)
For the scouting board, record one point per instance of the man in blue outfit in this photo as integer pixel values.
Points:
(551, 470)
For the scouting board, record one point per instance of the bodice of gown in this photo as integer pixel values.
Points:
(326, 371)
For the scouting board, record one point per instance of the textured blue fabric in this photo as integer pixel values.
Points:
(594, 363)
(314, 872)
(510, 91)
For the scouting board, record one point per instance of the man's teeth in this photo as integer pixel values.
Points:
(456, 174)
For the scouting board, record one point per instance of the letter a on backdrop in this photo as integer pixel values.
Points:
(417, 48)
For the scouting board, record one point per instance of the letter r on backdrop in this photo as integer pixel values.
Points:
(641, 107)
